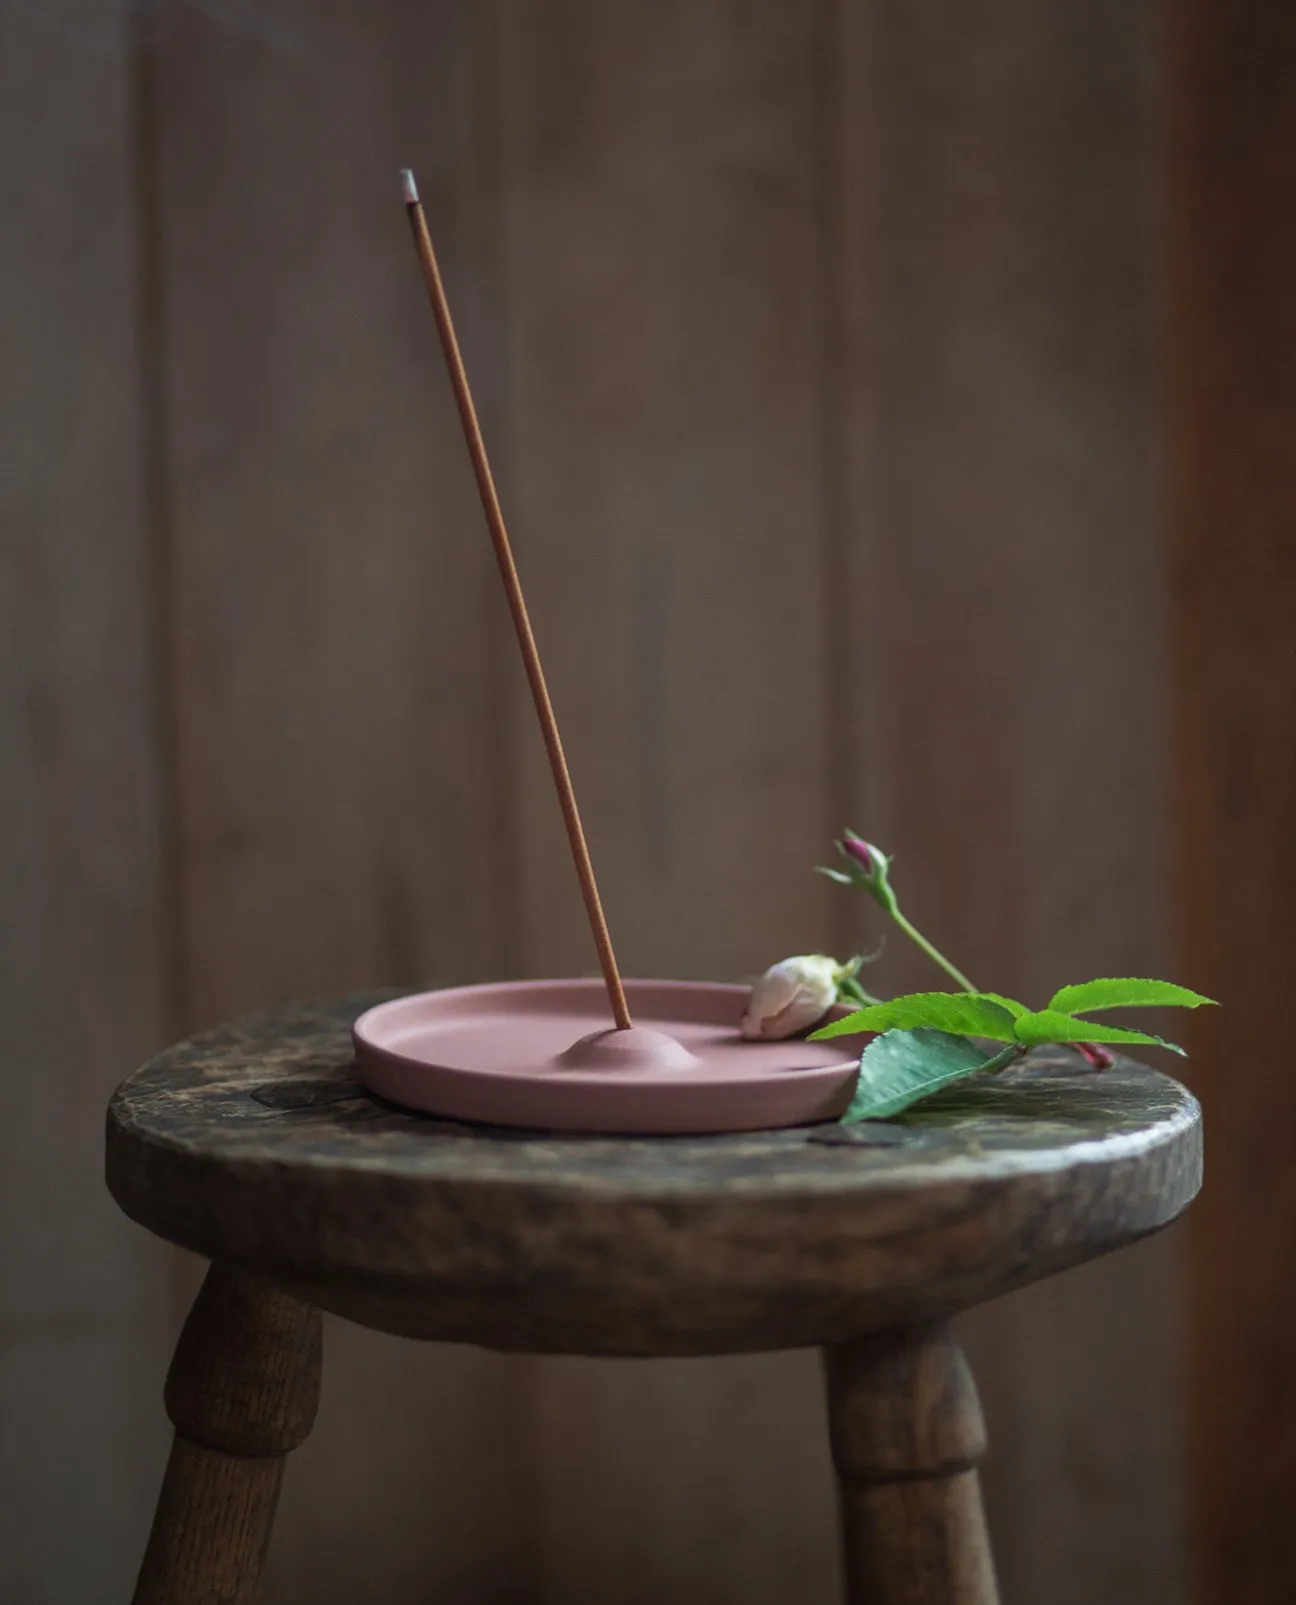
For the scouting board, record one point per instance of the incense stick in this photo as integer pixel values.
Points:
(516, 602)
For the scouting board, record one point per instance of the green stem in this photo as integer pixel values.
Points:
(917, 936)
(849, 990)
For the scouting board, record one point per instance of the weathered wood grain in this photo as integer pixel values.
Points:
(83, 1320)
(255, 1144)
(242, 1392)
(993, 394)
(1234, 596)
(907, 1436)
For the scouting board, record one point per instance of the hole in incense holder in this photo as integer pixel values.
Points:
(635, 1049)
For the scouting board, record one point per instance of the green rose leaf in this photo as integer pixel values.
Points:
(1124, 992)
(964, 1013)
(1011, 1004)
(900, 1067)
(1051, 1025)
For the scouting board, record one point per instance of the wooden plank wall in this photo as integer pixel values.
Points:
(662, 258)
(816, 347)
(1234, 588)
(338, 752)
(999, 215)
(83, 1306)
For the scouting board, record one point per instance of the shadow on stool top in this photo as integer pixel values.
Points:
(254, 1143)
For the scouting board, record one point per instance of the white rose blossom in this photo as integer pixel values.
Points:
(791, 996)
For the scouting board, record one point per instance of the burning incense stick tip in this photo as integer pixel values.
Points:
(409, 187)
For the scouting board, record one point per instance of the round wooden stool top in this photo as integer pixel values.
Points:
(255, 1145)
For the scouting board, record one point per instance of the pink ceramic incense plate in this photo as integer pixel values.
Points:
(542, 1054)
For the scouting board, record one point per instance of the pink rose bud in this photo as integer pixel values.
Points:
(867, 866)
(791, 997)
(857, 848)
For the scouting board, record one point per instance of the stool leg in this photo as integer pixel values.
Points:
(242, 1391)
(906, 1437)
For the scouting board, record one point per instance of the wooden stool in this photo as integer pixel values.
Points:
(254, 1145)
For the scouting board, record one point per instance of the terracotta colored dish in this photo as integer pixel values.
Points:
(542, 1054)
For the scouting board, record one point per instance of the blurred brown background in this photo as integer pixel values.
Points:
(821, 349)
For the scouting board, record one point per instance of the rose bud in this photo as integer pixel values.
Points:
(867, 866)
(791, 996)
(865, 855)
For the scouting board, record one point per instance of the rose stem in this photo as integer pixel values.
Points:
(932, 953)
(516, 602)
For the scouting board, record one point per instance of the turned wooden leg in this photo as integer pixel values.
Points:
(242, 1391)
(906, 1437)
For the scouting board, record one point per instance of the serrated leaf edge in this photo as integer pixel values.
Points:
(852, 1023)
(884, 1111)
(1090, 1031)
(1194, 1000)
